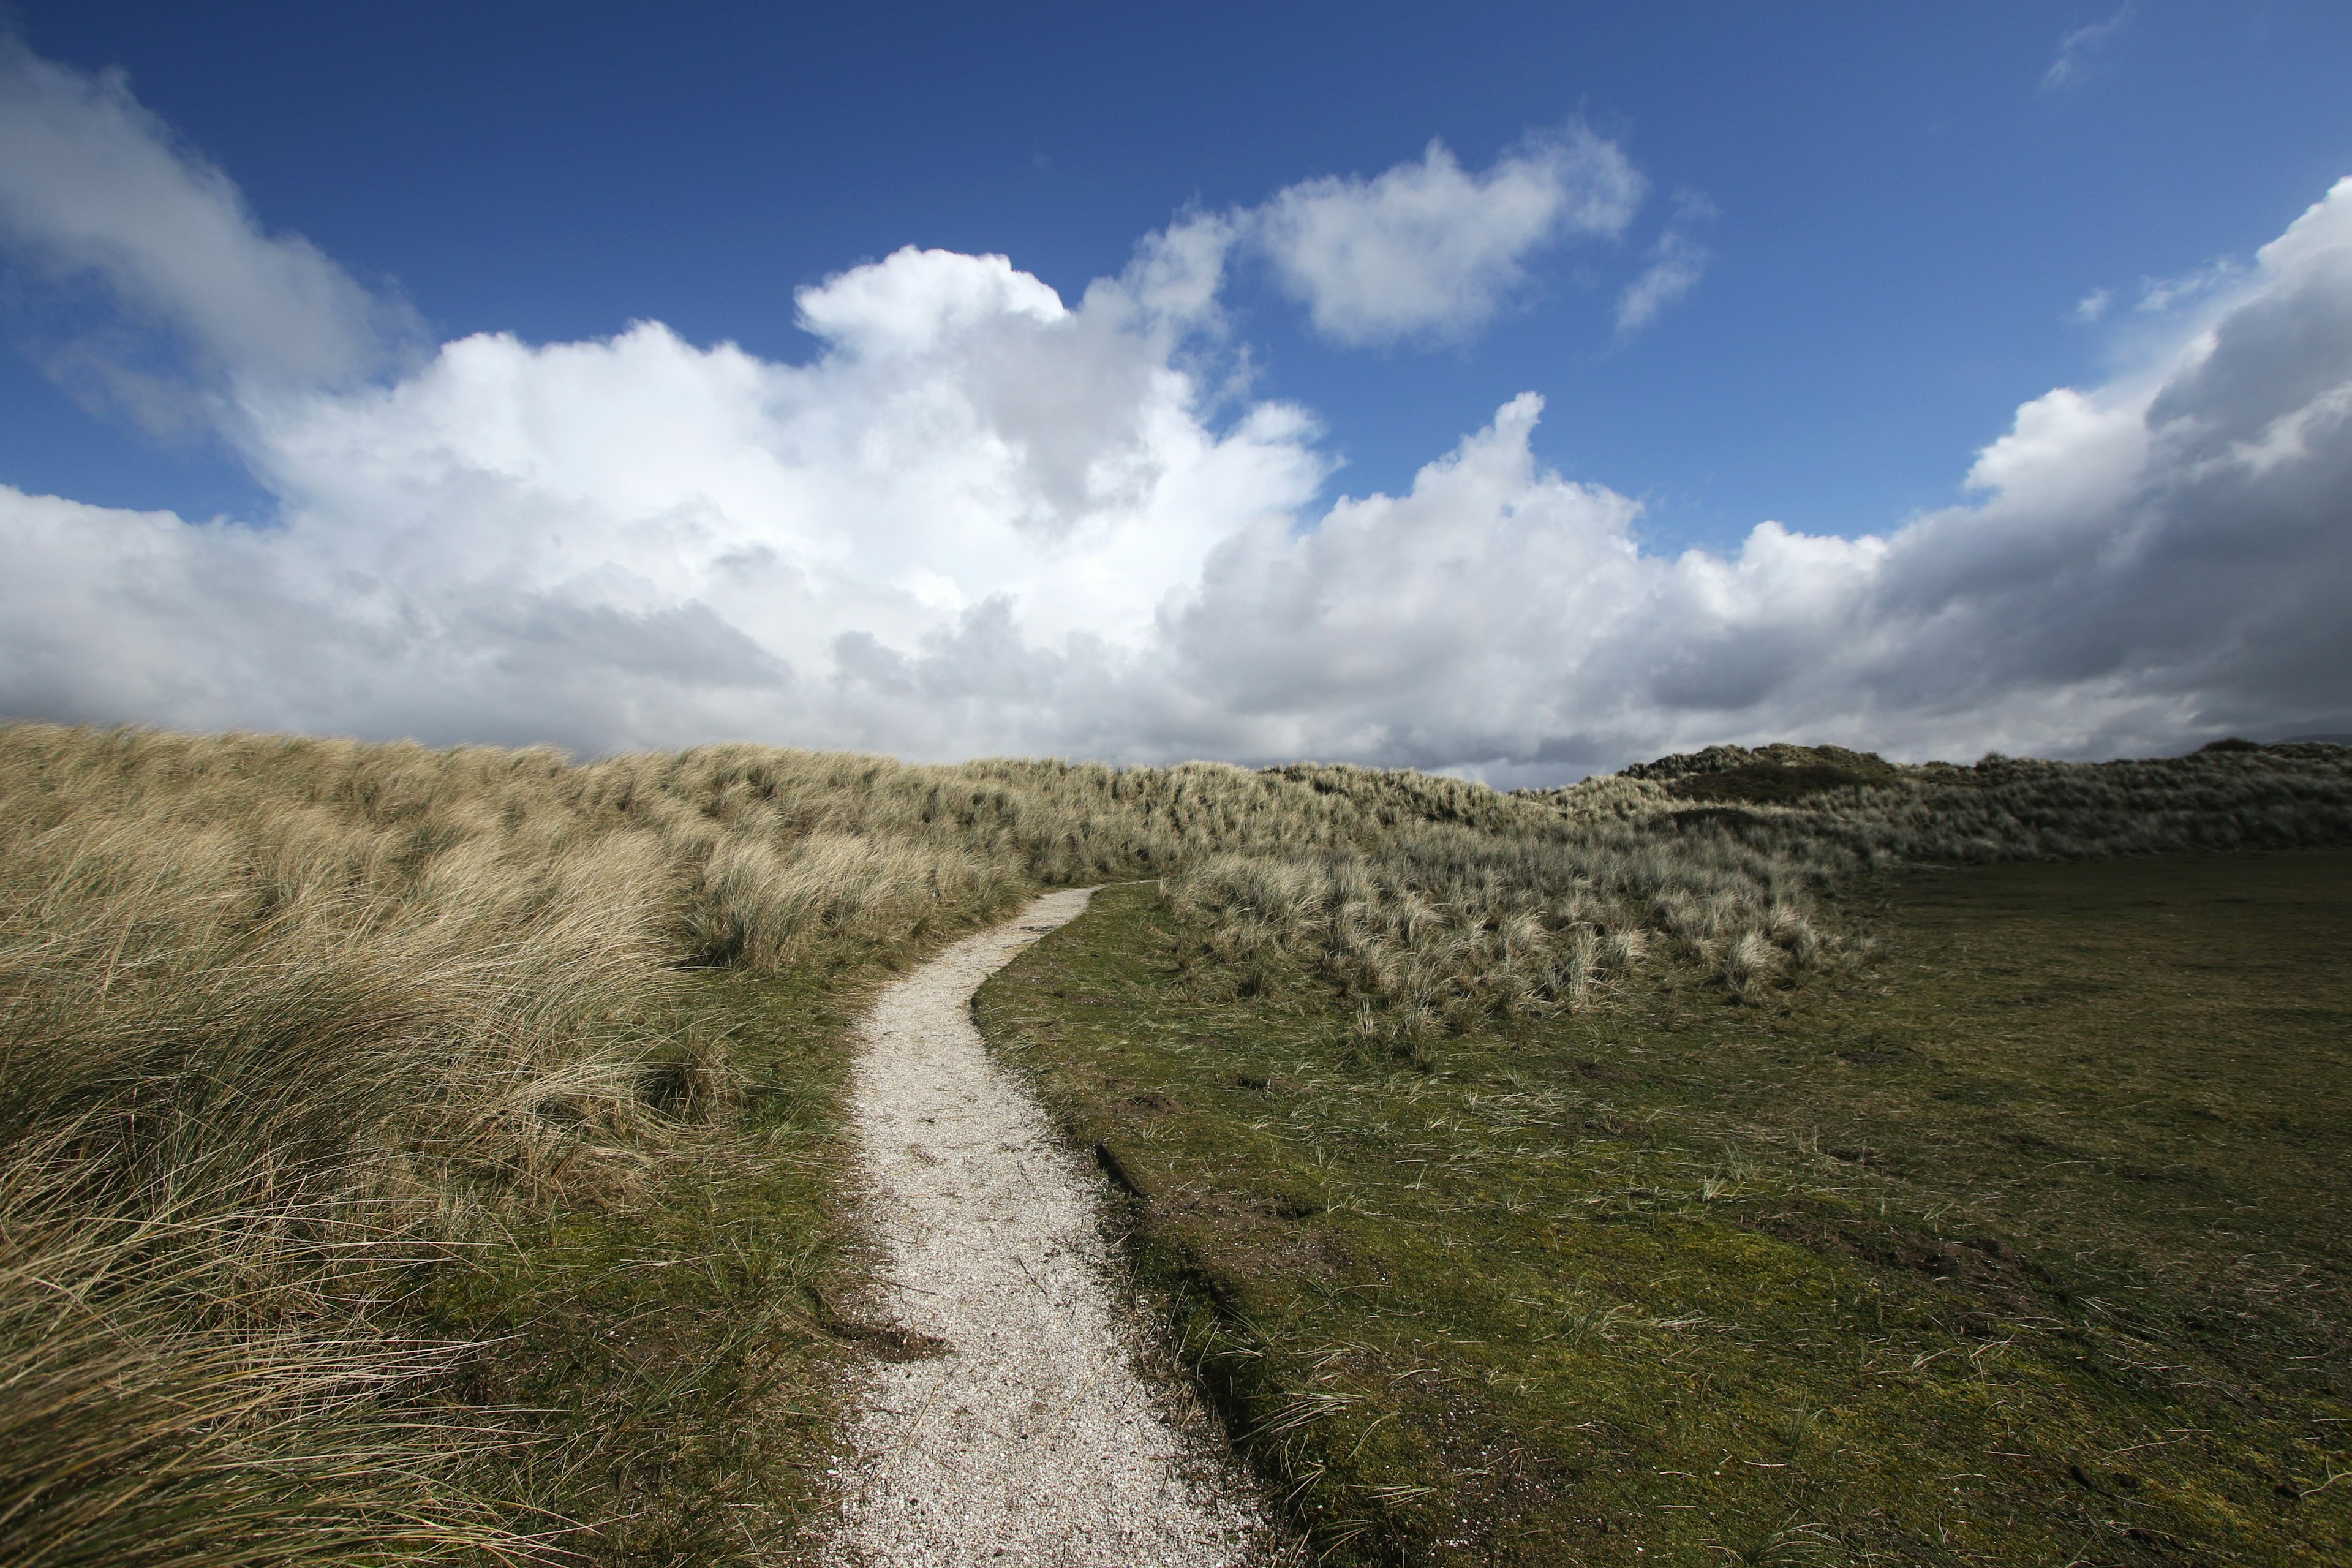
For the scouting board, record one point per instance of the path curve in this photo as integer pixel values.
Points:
(1027, 1436)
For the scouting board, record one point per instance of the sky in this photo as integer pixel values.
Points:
(1513, 390)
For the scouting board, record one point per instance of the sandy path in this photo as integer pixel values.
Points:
(1028, 1437)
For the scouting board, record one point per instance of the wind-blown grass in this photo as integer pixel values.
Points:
(1536, 902)
(297, 1032)
(272, 1051)
(302, 1035)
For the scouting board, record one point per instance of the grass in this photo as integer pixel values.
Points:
(430, 1156)
(678, 1356)
(1520, 904)
(2022, 1241)
(435, 1155)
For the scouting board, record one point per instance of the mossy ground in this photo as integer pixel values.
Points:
(2027, 1241)
(677, 1355)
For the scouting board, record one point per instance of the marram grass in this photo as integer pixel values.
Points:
(430, 1155)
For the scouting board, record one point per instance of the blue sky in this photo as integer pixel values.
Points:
(1906, 215)
(1886, 220)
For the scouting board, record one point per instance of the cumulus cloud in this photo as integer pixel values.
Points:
(1428, 248)
(984, 518)
(1425, 250)
(95, 190)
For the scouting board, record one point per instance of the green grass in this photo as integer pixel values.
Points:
(407, 1148)
(675, 1358)
(2025, 1241)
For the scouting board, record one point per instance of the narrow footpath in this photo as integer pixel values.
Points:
(1019, 1432)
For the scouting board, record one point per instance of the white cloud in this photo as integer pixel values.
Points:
(2078, 48)
(981, 519)
(1424, 250)
(94, 190)
(1677, 261)
(2158, 295)
(2152, 563)
(2094, 305)
(1427, 249)
(1176, 271)
(918, 300)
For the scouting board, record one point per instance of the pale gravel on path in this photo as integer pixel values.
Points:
(1031, 1438)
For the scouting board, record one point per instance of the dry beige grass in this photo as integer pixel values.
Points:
(289, 1025)
(1493, 905)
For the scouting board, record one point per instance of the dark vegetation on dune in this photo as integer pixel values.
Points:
(433, 1155)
